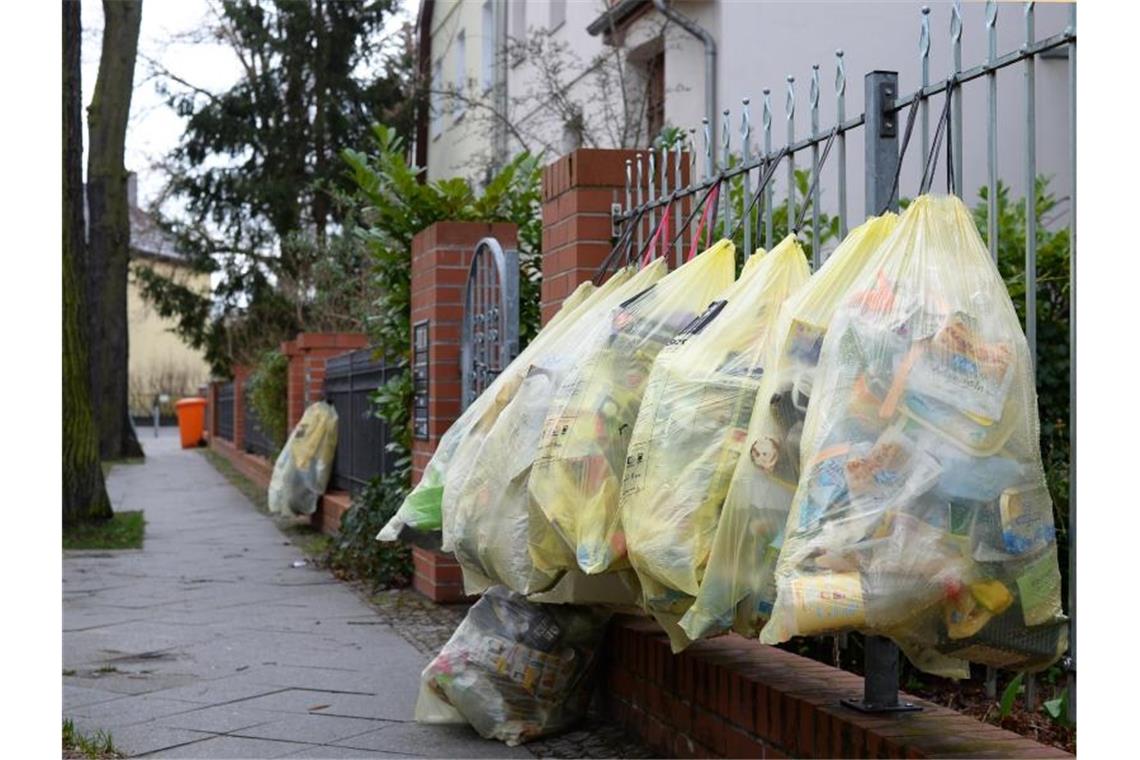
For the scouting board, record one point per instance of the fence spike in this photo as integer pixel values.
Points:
(841, 139)
(746, 154)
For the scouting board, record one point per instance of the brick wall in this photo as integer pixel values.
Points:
(306, 375)
(733, 697)
(241, 376)
(441, 256)
(578, 191)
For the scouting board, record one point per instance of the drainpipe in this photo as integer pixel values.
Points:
(702, 34)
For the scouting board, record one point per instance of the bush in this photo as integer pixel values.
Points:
(356, 555)
(268, 395)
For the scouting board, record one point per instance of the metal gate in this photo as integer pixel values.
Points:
(490, 316)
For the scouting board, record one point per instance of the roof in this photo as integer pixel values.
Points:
(150, 241)
(616, 15)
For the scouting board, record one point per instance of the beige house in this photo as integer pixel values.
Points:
(159, 361)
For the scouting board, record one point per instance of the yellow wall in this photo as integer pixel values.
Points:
(159, 361)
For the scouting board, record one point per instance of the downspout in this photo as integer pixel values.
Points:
(702, 34)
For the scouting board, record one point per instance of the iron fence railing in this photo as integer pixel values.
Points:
(226, 411)
(257, 441)
(660, 206)
(362, 437)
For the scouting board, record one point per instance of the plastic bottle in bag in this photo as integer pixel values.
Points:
(922, 512)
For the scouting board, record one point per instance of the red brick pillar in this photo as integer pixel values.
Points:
(578, 191)
(241, 375)
(306, 375)
(441, 257)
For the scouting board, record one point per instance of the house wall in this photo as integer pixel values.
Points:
(759, 44)
(159, 360)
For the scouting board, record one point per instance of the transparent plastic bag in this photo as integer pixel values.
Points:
(421, 510)
(576, 477)
(922, 512)
(304, 466)
(738, 580)
(691, 428)
(515, 670)
(485, 509)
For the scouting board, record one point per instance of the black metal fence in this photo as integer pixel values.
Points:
(226, 411)
(257, 441)
(362, 438)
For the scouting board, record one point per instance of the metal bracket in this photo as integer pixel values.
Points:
(615, 212)
(888, 124)
(864, 706)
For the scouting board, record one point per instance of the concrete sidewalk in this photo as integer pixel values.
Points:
(208, 642)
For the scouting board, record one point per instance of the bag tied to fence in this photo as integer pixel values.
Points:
(304, 466)
(922, 511)
(485, 511)
(691, 428)
(421, 510)
(741, 561)
(576, 477)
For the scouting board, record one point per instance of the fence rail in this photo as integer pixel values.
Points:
(654, 219)
(257, 441)
(362, 438)
(226, 411)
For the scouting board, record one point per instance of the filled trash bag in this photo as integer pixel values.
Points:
(922, 512)
(739, 579)
(485, 507)
(304, 466)
(513, 669)
(576, 477)
(691, 428)
(421, 510)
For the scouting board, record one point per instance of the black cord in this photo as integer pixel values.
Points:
(696, 210)
(815, 179)
(623, 241)
(769, 171)
(902, 152)
(932, 159)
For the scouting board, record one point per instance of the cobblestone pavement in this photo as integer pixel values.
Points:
(216, 641)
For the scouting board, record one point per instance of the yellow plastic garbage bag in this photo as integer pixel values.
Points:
(576, 477)
(922, 512)
(513, 669)
(485, 509)
(739, 575)
(691, 428)
(421, 509)
(304, 466)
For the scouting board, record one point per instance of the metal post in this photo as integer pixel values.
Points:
(746, 156)
(790, 114)
(651, 190)
(766, 122)
(924, 57)
(813, 102)
(1072, 364)
(841, 138)
(725, 145)
(956, 107)
(664, 194)
(881, 153)
(677, 177)
(638, 189)
(991, 132)
(1030, 190)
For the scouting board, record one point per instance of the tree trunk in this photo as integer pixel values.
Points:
(84, 494)
(108, 248)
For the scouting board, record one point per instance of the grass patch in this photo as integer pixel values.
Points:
(107, 464)
(97, 747)
(308, 539)
(123, 531)
(252, 491)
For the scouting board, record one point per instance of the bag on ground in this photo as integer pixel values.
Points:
(304, 466)
(513, 669)
(691, 428)
(922, 511)
(737, 589)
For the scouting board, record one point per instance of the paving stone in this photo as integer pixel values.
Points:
(232, 747)
(432, 741)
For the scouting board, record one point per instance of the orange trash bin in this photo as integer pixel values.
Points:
(191, 420)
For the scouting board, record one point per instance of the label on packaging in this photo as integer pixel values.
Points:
(824, 603)
(1026, 519)
(1040, 590)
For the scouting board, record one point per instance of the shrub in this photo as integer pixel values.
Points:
(268, 395)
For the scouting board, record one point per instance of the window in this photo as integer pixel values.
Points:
(655, 96)
(557, 10)
(460, 106)
(488, 46)
(420, 380)
(437, 99)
